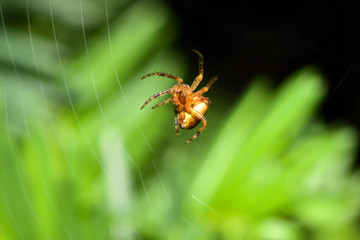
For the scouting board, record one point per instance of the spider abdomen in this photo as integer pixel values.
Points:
(188, 119)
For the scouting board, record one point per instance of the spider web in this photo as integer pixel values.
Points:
(116, 171)
(109, 134)
(24, 114)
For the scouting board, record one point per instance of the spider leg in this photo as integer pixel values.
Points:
(164, 75)
(201, 71)
(207, 87)
(176, 123)
(162, 103)
(203, 119)
(155, 96)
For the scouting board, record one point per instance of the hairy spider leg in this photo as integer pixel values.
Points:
(164, 75)
(176, 123)
(203, 119)
(155, 96)
(207, 87)
(201, 71)
(162, 103)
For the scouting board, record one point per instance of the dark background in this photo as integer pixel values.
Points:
(243, 39)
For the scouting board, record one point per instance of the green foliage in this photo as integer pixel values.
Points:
(79, 160)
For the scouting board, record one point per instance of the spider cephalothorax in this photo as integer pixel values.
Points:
(190, 106)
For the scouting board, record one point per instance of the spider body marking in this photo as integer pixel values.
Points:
(190, 106)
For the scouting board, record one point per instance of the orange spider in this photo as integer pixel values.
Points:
(191, 106)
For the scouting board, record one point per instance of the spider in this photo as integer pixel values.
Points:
(190, 106)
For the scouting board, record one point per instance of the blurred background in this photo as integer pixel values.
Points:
(278, 160)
